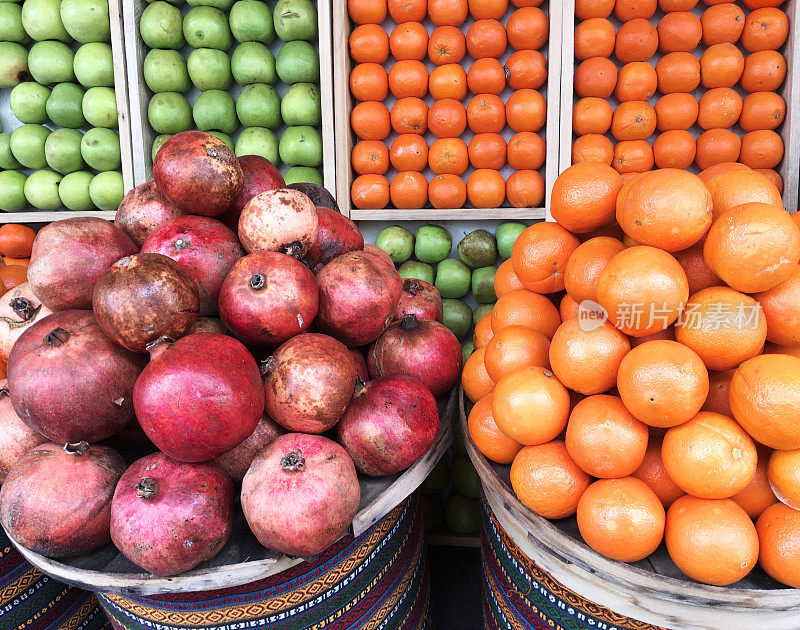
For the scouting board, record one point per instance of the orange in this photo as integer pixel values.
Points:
(540, 256)
(448, 12)
(448, 81)
(568, 308)
(587, 9)
(526, 69)
(530, 405)
(668, 334)
(370, 192)
(662, 383)
(486, 188)
(679, 31)
(584, 196)
(676, 111)
(698, 274)
(486, 114)
(515, 347)
(678, 72)
(447, 191)
(488, 9)
(722, 24)
(586, 264)
(781, 307)
(370, 120)
(483, 333)
(520, 307)
(487, 150)
(676, 5)
(448, 156)
(631, 9)
(772, 176)
(719, 108)
(721, 65)
(764, 71)
(633, 120)
(547, 481)
(594, 37)
(592, 148)
(409, 152)
(622, 519)
(717, 146)
(765, 29)
(758, 4)
(370, 156)
(408, 78)
(761, 149)
(643, 290)
(367, 11)
(526, 151)
(783, 472)
(447, 119)
(528, 28)
(604, 439)
(757, 495)
(637, 40)
(410, 115)
(525, 189)
(719, 385)
(591, 115)
(779, 534)
(408, 10)
(474, 378)
(490, 441)
(486, 76)
(505, 280)
(711, 540)
(765, 399)
(708, 174)
(526, 110)
(369, 82)
(595, 77)
(409, 190)
(408, 41)
(674, 149)
(737, 186)
(446, 44)
(652, 472)
(486, 38)
(633, 156)
(369, 43)
(762, 110)
(636, 81)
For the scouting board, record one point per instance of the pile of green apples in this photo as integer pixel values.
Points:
(256, 69)
(56, 57)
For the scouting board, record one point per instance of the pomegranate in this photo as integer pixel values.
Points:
(319, 195)
(336, 235)
(236, 462)
(145, 297)
(204, 247)
(360, 363)
(358, 297)
(259, 176)
(16, 437)
(377, 251)
(199, 397)
(208, 324)
(70, 382)
(308, 383)
(70, 256)
(198, 173)
(168, 517)
(56, 500)
(282, 220)
(391, 422)
(300, 494)
(142, 210)
(420, 299)
(19, 308)
(268, 298)
(424, 349)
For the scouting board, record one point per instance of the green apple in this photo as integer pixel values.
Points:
(302, 105)
(42, 20)
(157, 143)
(251, 21)
(301, 146)
(29, 102)
(100, 107)
(11, 28)
(13, 64)
(258, 141)
(295, 19)
(303, 174)
(41, 190)
(27, 145)
(215, 109)
(210, 69)
(7, 160)
(161, 26)
(100, 149)
(12, 191)
(51, 62)
(62, 149)
(259, 106)
(223, 5)
(169, 112)
(224, 137)
(298, 62)
(165, 71)
(86, 20)
(65, 106)
(253, 62)
(74, 191)
(107, 190)
(207, 27)
(94, 65)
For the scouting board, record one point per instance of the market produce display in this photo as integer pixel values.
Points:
(677, 84)
(640, 369)
(245, 71)
(449, 105)
(65, 152)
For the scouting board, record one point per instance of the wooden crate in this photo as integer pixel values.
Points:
(789, 168)
(142, 135)
(345, 140)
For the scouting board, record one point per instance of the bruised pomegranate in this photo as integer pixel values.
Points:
(268, 298)
(420, 299)
(282, 220)
(236, 462)
(70, 382)
(208, 324)
(308, 383)
(300, 494)
(56, 500)
(70, 256)
(19, 308)
(16, 437)
(199, 397)
(360, 363)
(391, 422)
(142, 210)
(204, 247)
(318, 194)
(145, 297)
(336, 235)
(424, 349)
(358, 297)
(168, 517)
(198, 173)
(259, 176)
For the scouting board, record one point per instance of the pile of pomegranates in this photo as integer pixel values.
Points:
(226, 321)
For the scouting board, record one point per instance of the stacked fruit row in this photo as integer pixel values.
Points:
(690, 85)
(66, 153)
(421, 139)
(252, 92)
(450, 494)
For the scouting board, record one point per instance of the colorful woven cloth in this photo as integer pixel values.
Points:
(519, 595)
(378, 581)
(30, 600)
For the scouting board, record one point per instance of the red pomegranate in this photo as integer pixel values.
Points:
(208, 324)
(259, 176)
(308, 383)
(19, 308)
(204, 247)
(70, 256)
(358, 297)
(282, 220)
(423, 349)
(268, 298)
(420, 299)
(143, 298)
(142, 210)
(70, 382)
(56, 500)
(360, 363)
(199, 397)
(300, 494)
(336, 235)
(391, 422)
(319, 195)
(198, 173)
(236, 462)
(16, 437)
(377, 251)
(168, 517)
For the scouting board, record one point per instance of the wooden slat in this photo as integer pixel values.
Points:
(43, 216)
(324, 11)
(342, 104)
(790, 130)
(567, 89)
(118, 50)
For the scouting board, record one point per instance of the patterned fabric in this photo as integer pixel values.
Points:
(519, 595)
(378, 581)
(30, 600)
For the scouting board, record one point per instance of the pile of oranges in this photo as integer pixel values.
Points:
(443, 114)
(660, 400)
(689, 87)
